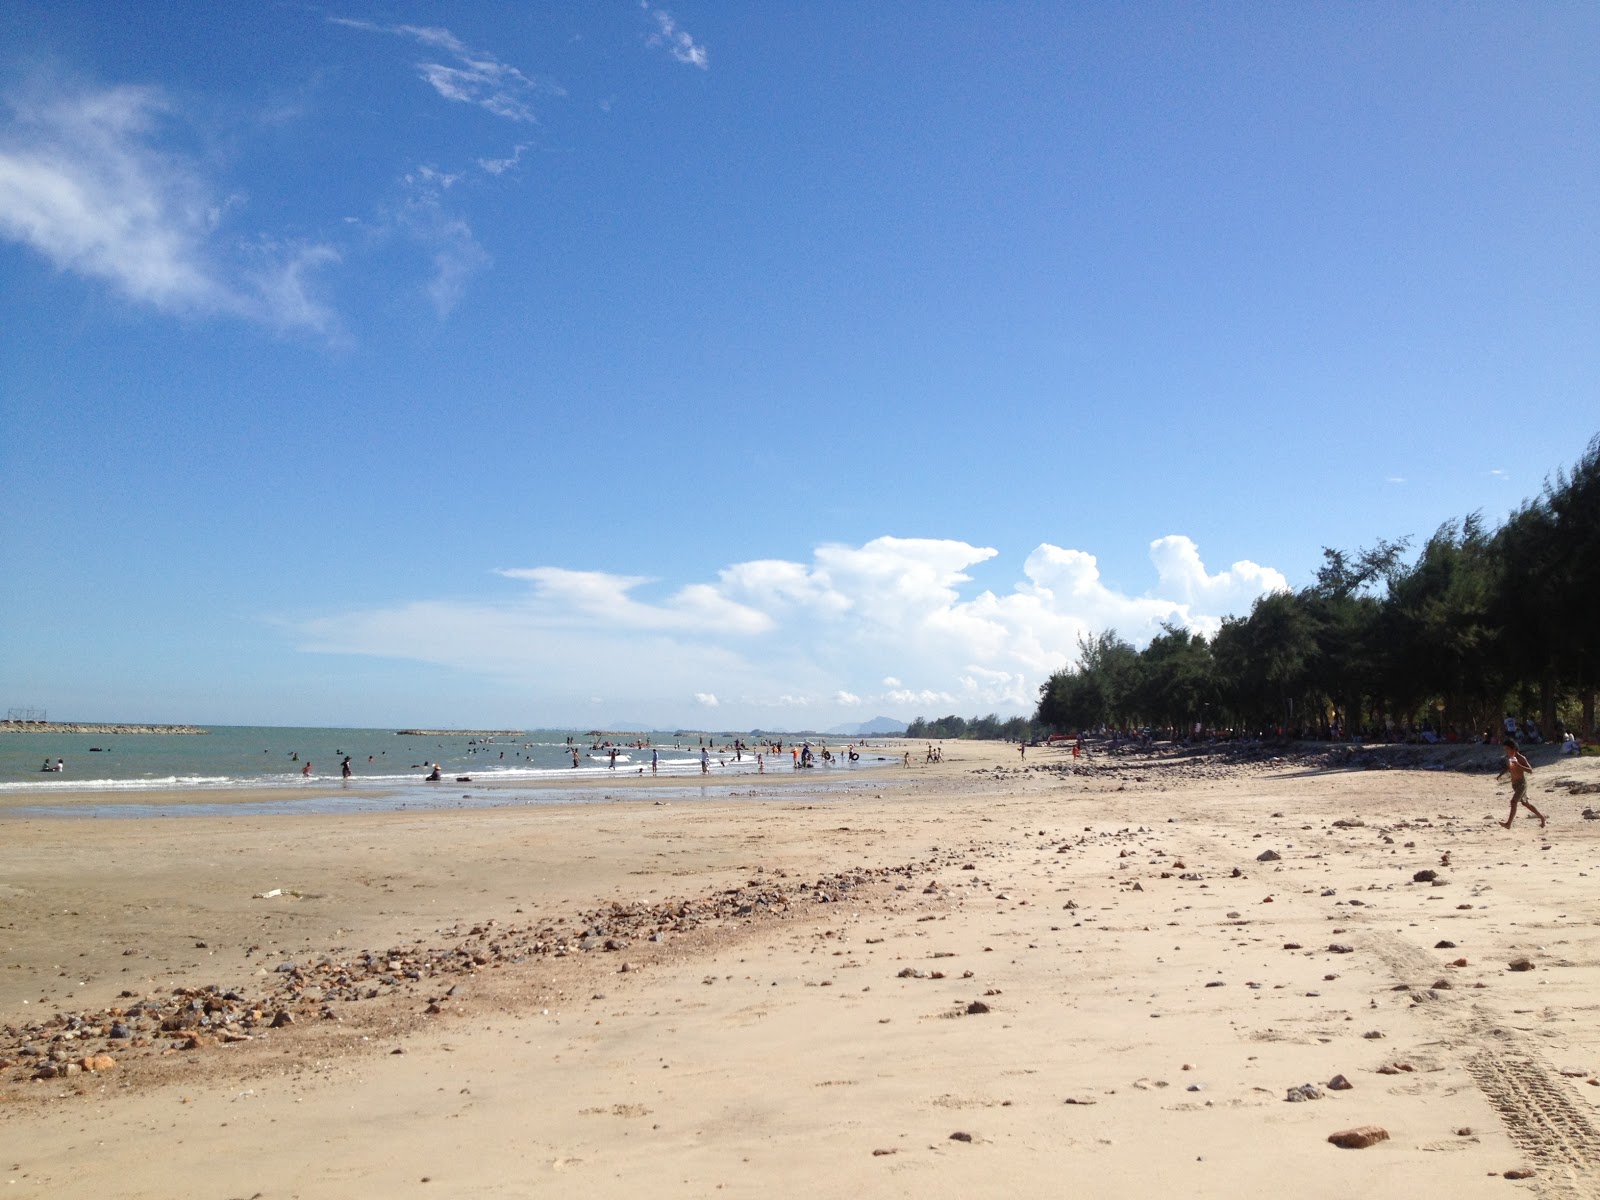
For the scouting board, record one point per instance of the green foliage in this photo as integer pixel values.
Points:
(1481, 622)
(1014, 729)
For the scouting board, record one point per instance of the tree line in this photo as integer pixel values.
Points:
(1012, 729)
(1480, 622)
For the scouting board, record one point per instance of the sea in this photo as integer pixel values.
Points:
(245, 757)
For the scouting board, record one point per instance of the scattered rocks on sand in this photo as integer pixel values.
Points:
(1306, 1091)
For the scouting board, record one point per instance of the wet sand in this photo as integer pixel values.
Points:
(821, 988)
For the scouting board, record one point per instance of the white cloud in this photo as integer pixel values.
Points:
(472, 77)
(885, 624)
(499, 166)
(706, 699)
(89, 180)
(674, 40)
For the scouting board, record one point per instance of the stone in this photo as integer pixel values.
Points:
(977, 1007)
(1339, 1084)
(1444, 945)
(281, 1018)
(1425, 877)
(1520, 964)
(1360, 1137)
(1519, 1173)
(99, 1062)
(1340, 948)
(1302, 1093)
(1268, 856)
(960, 1136)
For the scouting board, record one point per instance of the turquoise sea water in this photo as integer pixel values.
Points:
(272, 756)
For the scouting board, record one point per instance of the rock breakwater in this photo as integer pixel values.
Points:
(93, 727)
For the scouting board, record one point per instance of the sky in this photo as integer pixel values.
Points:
(752, 366)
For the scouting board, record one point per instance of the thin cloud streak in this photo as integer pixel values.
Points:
(476, 77)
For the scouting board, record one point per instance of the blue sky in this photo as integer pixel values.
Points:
(751, 365)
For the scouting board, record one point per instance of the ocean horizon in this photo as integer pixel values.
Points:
(262, 756)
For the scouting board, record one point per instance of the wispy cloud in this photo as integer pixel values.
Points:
(674, 40)
(1395, 479)
(886, 624)
(471, 76)
(445, 237)
(499, 166)
(90, 180)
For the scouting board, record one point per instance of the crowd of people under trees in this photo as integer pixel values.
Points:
(1479, 628)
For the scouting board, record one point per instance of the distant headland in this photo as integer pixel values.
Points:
(457, 732)
(92, 727)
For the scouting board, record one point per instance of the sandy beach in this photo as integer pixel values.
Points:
(990, 976)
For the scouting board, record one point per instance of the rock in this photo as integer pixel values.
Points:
(281, 1018)
(910, 973)
(1520, 964)
(1291, 946)
(1340, 948)
(99, 1062)
(1360, 1137)
(976, 1007)
(1519, 1173)
(1339, 1084)
(1444, 945)
(1425, 877)
(960, 1136)
(1268, 856)
(1304, 1092)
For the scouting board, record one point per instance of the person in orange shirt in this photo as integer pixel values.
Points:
(1519, 768)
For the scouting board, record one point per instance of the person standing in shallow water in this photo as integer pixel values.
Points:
(1519, 769)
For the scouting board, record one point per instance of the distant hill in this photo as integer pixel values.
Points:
(877, 727)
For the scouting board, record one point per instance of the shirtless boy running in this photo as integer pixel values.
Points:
(1519, 767)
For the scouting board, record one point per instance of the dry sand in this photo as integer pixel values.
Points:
(1152, 990)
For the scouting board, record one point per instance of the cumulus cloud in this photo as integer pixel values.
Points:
(471, 76)
(706, 699)
(889, 623)
(91, 180)
(674, 40)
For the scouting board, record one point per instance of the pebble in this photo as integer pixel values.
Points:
(1360, 1137)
